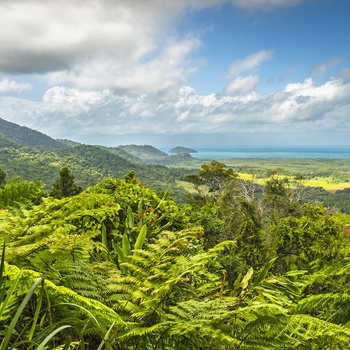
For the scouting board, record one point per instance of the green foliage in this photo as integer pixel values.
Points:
(327, 293)
(119, 267)
(65, 186)
(95, 223)
(313, 238)
(211, 179)
(2, 178)
(339, 200)
(41, 310)
(91, 164)
(17, 193)
(240, 210)
(146, 153)
(27, 137)
(181, 300)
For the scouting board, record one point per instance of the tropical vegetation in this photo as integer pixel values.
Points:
(235, 263)
(116, 266)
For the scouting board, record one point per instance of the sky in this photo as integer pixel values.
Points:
(178, 72)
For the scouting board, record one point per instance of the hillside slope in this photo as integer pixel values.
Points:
(24, 136)
(30, 155)
(147, 153)
(89, 165)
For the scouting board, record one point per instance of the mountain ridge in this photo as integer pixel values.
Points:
(25, 136)
(28, 155)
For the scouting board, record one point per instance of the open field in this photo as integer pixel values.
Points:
(330, 174)
(328, 183)
(294, 166)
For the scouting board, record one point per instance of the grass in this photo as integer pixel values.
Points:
(330, 174)
(328, 183)
(330, 186)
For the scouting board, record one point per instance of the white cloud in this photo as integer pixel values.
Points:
(168, 69)
(122, 45)
(344, 75)
(127, 69)
(322, 67)
(250, 62)
(13, 86)
(265, 4)
(298, 107)
(242, 85)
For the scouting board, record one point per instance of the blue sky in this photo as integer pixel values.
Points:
(186, 72)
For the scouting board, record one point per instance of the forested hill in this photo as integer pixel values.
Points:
(89, 164)
(24, 136)
(147, 153)
(179, 149)
(4, 142)
(125, 155)
(30, 155)
(152, 155)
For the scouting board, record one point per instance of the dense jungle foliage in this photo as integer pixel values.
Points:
(117, 266)
(102, 249)
(29, 155)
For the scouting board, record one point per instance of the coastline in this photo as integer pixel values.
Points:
(283, 152)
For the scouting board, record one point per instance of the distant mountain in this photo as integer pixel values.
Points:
(179, 149)
(23, 136)
(5, 142)
(69, 143)
(148, 154)
(89, 165)
(30, 155)
(152, 155)
(121, 152)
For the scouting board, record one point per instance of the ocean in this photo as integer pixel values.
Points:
(321, 152)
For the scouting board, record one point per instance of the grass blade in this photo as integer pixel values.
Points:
(13, 323)
(50, 336)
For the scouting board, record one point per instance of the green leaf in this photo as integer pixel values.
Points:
(50, 336)
(126, 246)
(105, 338)
(247, 278)
(141, 238)
(104, 236)
(13, 323)
(129, 218)
(263, 272)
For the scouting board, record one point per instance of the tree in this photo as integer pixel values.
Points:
(309, 241)
(2, 178)
(239, 209)
(211, 179)
(65, 186)
(121, 272)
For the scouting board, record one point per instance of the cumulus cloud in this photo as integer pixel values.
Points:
(242, 85)
(344, 75)
(121, 45)
(265, 4)
(169, 68)
(323, 67)
(296, 107)
(250, 62)
(13, 86)
(99, 44)
(127, 69)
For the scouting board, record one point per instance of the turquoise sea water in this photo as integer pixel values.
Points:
(325, 152)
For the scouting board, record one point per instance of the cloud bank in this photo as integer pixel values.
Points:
(299, 106)
(122, 45)
(7, 85)
(127, 46)
(122, 67)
